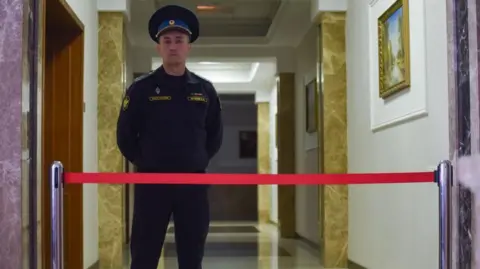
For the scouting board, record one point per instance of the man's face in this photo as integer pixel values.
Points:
(173, 47)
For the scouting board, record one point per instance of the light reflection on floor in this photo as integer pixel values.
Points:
(242, 247)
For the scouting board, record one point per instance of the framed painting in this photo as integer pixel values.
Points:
(311, 106)
(394, 49)
(276, 130)
(248, 144)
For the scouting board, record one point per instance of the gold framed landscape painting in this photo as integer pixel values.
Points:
(311, 107)
(394, 49)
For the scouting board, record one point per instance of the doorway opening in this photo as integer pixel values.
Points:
(62, 124)
(238, 155)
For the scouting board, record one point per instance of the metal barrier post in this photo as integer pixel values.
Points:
(444, 179)
(56, 190)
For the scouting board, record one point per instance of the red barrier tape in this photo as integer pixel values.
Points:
(248, 179)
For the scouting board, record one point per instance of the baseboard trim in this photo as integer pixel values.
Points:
(95, 265)
(308, 242)
(315, 246)
(272, 222)
(354, 265)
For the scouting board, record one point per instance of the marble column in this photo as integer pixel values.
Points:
(111, 86)
(286, 151)
(464, 60)
(263, 159)
(332, 93)
(19, 60)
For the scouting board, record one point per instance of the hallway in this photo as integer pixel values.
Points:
(302, 90)
(246, 245)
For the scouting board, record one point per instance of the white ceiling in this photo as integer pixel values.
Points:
(233, 77)
(233, 22)
(230, 17)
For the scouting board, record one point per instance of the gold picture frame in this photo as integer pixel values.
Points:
(276, 130)
(311, 107)
(394, 49)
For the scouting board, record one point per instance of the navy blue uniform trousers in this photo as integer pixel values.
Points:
(153, 207)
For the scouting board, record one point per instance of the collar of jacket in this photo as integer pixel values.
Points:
(191, 79)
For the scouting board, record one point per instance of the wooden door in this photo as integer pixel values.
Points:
(62, 124)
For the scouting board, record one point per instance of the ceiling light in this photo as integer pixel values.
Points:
(208, 63)
(206, 7)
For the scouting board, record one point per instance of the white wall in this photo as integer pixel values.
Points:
(87, 13)
(273, 153)
(306, 197)
(128, 61)
(395, 226)
(128, 81)
(273, 130)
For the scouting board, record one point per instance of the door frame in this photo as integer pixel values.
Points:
(62, 124)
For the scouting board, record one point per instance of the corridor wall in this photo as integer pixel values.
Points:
(393, 226)
(87, 13)
(273, 154)
(306, 198)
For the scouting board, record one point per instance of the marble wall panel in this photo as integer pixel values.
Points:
(111, 86)
(263, 159)
(463, 47)
(333, 198)
(14, 71)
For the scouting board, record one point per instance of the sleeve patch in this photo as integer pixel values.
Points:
(126, 102)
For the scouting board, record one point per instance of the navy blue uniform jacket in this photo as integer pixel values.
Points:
(170, 129)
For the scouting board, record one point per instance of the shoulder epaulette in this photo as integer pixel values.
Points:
(136, 80)
(201, 78)
(142, 77)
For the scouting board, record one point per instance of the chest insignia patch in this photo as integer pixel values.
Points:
(197, 99)
(159, 98)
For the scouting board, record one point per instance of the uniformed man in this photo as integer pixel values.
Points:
(170, 122)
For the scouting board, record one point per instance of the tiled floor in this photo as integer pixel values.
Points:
(246, 245)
